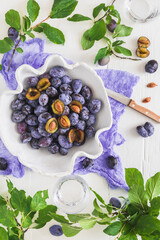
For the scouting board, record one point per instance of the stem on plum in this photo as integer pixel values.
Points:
(13, 54)
(134, 59)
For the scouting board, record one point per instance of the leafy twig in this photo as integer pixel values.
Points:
(14, 50)
(59, 10)
(40, 22)
(21, 229)
(128, 58)
(106, 13)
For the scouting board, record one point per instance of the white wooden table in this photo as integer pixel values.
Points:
(143, 154)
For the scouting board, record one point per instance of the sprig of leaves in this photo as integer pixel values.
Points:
(60, 9)
(19, 212)
(137, 217)
(99, 32)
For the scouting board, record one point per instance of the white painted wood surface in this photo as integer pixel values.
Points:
(143, 154)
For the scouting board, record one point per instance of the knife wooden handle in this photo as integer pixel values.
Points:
(144, 111)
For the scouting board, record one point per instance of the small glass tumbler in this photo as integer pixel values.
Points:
(143, 10)
(71, 194)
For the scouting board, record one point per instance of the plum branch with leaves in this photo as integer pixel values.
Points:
(102, 29)
(137, 216)
(60, 9)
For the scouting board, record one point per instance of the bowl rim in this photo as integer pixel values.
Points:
(40, 71)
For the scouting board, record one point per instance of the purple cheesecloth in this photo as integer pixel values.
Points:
(119, 81)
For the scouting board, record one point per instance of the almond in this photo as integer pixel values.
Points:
(146, 100)
(151, 85)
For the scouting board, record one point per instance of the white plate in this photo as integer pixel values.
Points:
(41, 160)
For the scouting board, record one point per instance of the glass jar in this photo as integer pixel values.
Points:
(71, 194)
(143, 10)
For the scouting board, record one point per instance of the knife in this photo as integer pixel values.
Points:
(132, 104)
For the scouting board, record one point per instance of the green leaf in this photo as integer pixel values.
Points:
(88, 223)
(111, 7)
(147, 224)
(33, 9)
(129, 236)
(122, 31)
(98, 30)
(23, 38)
(101, 53)
(44, 217)
(38, 29)
(18, 199)
(108, 19)
(27, 23)
(113, 229)
(138, 197)
(127, 229)
(30, 34)
(97, 9)
(74, 218)
(96, 206)
(98, 196)
(58, 218)
(0, 70)
(2, 200)
(109, 208)
(26, 221)
(19, 50)
(104, 221)
(150, 237)
(9, 185)
(53, 34)
(39, 200)
(122, 50)
(116, 14)
(86, 42)
(70, 231)
(7, 217)
(27, 207)
(98, 214)
(63, 8)
(9, 41)
(118, 43)
(3, 234)
(14, 233)
(155, 206)
(78, 18)
(153, 186)
(4, 46)
(134, 177)
(12, 18)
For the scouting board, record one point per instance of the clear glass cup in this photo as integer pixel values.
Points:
(143, 10)
(71, 194)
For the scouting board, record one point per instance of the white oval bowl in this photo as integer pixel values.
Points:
(41, 160)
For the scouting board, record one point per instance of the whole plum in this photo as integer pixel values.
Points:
(31, 120)
(57, 71)
(78, 97)
(56, 82)
(77, 85)
(112, 25)
(87, 93)
(18, 116)
(94, 106)
(66, 79)
(65, 98)
(63, 142)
